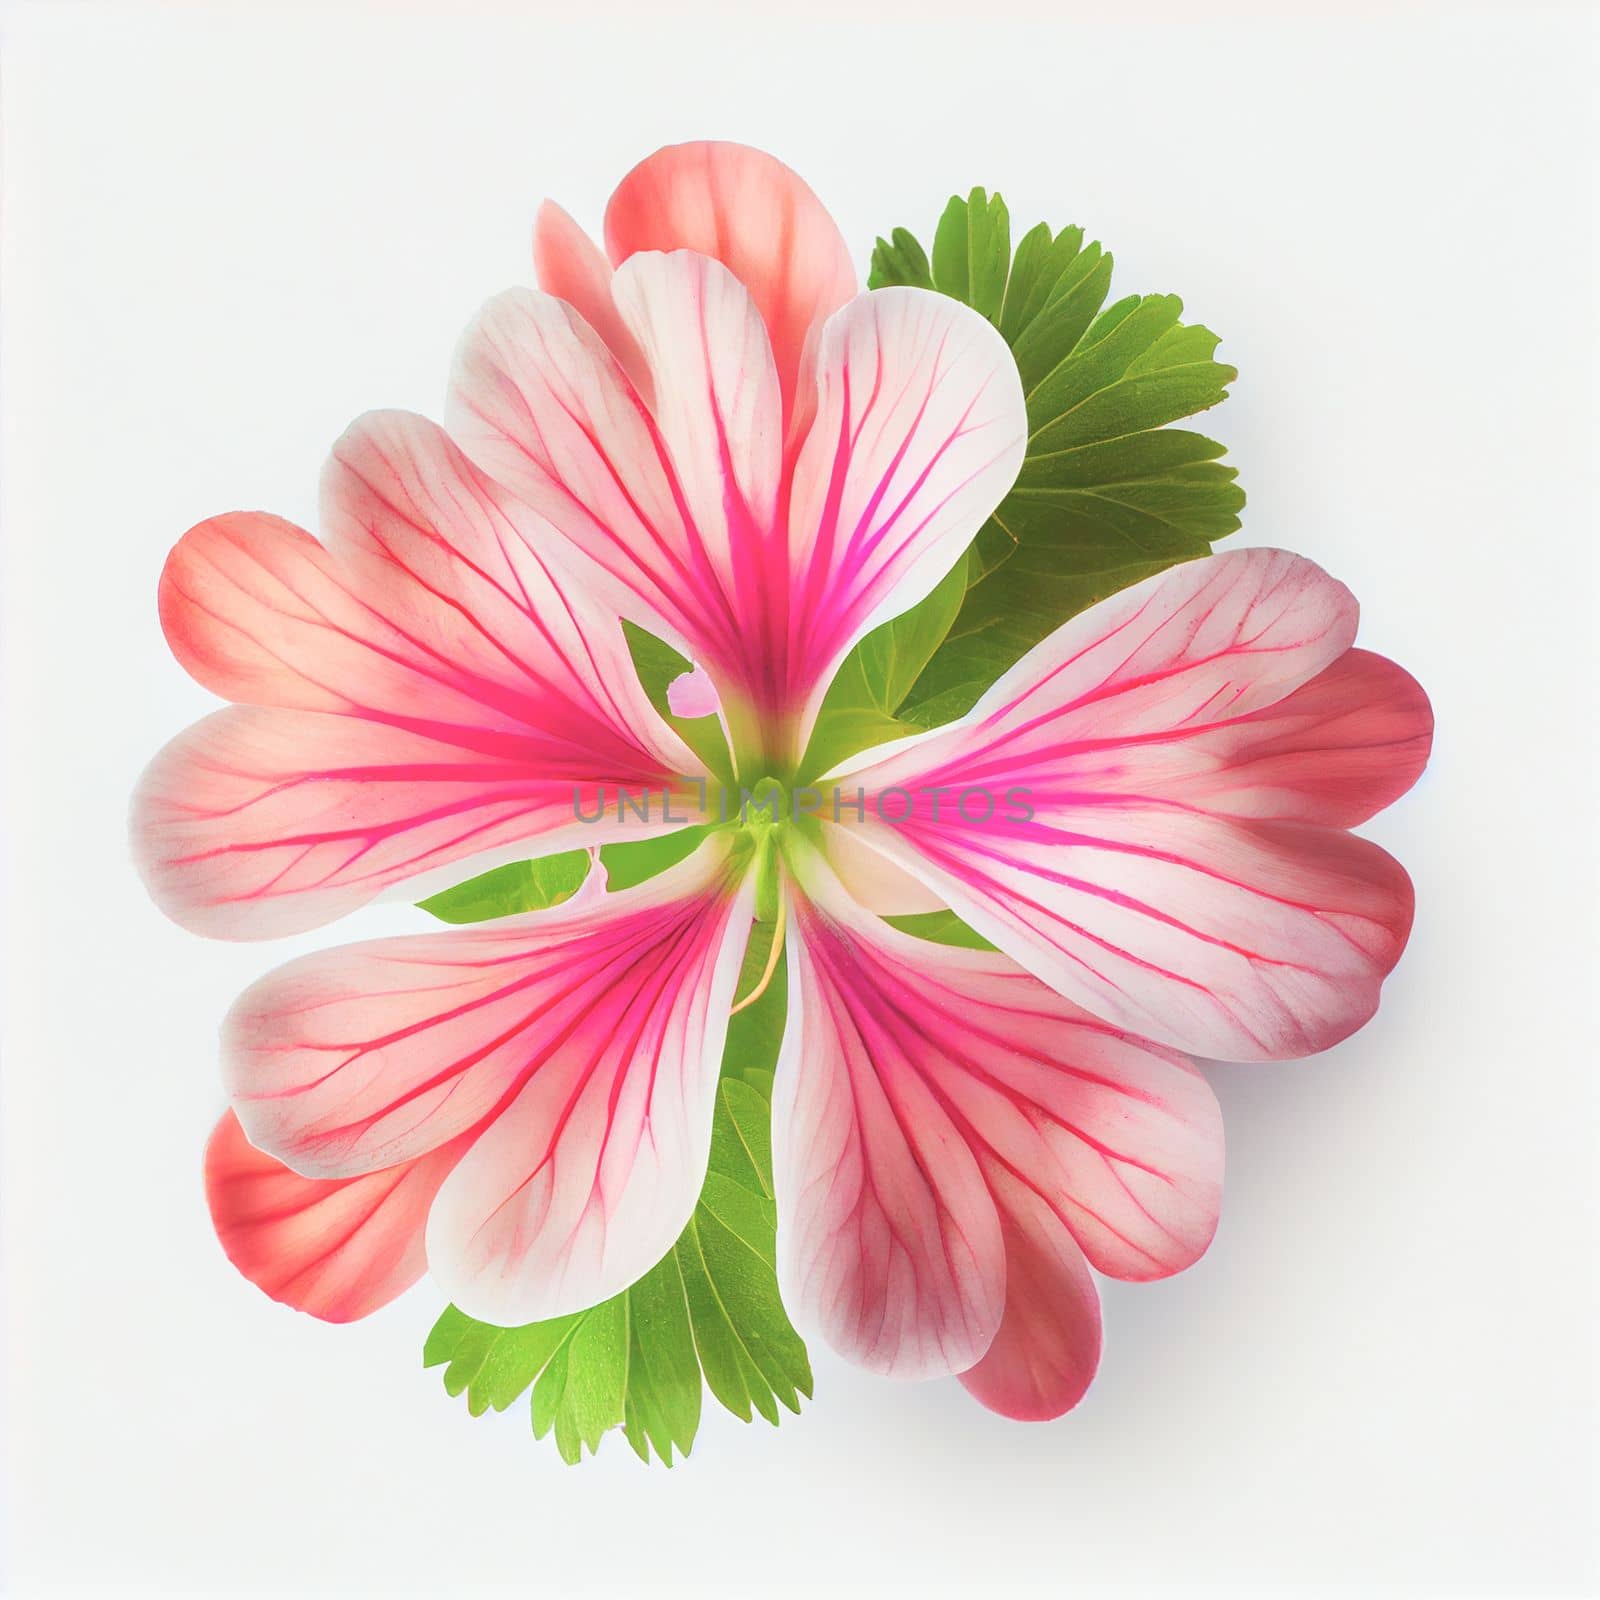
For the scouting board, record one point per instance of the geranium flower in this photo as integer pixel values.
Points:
(718, 438)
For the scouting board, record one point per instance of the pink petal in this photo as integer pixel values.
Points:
(1045, 1355)
(572, 267)
(716, 414)
(889, 1243)
(424, 691)
(693, 694)
(1128, 889)
(760, 220)
(919, 1086)
(339, 1249)
(586, 1041)
(872, 880)
(539, 402)
(920, 429)
(1336, 751)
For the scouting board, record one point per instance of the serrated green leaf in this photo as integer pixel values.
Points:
(749, 1352)
(1041, 261)
(1109, 493)
(708, 1315)
(899, 260)
(597, 1372)
(662, 1411)
(521, 886)
(972, 252)
(741, 1141)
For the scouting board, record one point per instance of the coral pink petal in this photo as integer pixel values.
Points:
(1336, 751)
(760, 220)
(426, 689)
(889, 1244)
(1212, 925)
(1044, 1357)
(337, 1249)
(572, 267)
(356, 1058)
(921, 1085)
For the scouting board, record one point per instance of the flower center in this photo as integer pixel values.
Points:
(764, 808)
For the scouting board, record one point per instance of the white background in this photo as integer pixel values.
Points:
(228, 229)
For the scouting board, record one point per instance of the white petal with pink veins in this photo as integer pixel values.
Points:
(1147, 791)
(919, 430)
(426, 689)
(928, 1101)
(578, 1048)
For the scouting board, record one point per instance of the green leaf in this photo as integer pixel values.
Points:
(548, 880)
(859, 708)
(593, 1385)
(708, 1315)
(657, 664)
(972, 252)
(634, 860)
(942, 927)
(1109, 493)
(661, 1411)
(521, 886)
(899, 259)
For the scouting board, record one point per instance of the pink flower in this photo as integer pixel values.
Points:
(729, 445)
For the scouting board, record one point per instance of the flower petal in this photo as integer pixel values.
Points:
(1336, 751)
(919, 1085)
(541, 404)
(585, 1041)
(572, 267)
(1045, 1355)
(693, 694)
(258, 822)
(760, 220)
(889, 1244)
(576, 1051)
(717, 416)
(338, 1250)
(920, 429)
(873, 880)
(426, 689)
(920, 432)
(1075, 835)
